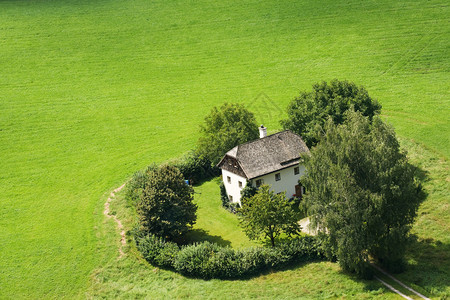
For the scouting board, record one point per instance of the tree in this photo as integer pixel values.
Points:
(165, 207)
(361, 192)
(267, 215)
(308, 112)
(226, 127)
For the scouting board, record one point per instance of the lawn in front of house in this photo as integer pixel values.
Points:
(214, 223)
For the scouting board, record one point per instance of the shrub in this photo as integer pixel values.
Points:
(196, 168)
(248, 191)
(157, 251)
(226, 203)
(136, 185)
(207, 260)
(193, 260)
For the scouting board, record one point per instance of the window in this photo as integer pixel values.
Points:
(240, 184)
(277, 177)
(296, 170)
(259, 182)
(229, 179)
(231, 198)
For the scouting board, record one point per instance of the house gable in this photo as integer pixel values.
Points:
(232, 165)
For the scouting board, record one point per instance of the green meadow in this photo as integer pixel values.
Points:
(91, 91)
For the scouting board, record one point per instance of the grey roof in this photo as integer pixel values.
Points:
(269, 154)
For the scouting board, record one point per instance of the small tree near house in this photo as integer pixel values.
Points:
(267, 215)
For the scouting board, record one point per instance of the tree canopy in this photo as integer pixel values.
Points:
(308, 112)
(165, 207)
(224, 128)
(267, 215)
(362, 192)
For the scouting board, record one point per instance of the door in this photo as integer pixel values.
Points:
(298, 191)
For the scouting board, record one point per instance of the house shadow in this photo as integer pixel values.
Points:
(201, 235)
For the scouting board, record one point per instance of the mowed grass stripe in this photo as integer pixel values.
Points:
(91, 92)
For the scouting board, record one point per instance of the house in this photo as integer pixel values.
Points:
(272, 160)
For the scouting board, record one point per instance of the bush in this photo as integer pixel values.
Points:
(196, 168)
(136, 185)
(207, 260)
(304, 248)
(226, 203)
(194, 260)
(157, 251)
(248, 191)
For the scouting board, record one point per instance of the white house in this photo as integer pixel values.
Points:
(272, 160)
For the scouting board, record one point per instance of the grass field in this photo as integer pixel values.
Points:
(91, 91)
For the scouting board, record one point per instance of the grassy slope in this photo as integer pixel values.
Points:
(90, 92)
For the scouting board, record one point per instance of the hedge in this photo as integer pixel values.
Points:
(207, 260)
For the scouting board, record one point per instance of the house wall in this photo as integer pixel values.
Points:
(233, 188)
(287, 182)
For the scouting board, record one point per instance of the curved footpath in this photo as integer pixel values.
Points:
(106, 212)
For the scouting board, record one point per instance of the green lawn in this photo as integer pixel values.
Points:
(214, 223)
(91, 91)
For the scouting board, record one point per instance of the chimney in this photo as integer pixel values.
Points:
(262, 132)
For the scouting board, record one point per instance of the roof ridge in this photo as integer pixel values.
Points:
(259, 139)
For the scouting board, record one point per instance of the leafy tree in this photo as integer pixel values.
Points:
(249, 190)
(362, 192)
(308, 112)
(196, 167)
(226, 127)
(165, 207)
(267, 215)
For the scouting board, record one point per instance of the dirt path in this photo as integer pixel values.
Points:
(398, 282)
(106, 212)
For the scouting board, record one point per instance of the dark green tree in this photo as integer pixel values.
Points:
(308, 112)
(224, 128)
(249, 190)
(361, 192)
(266, 215)
(165, 207)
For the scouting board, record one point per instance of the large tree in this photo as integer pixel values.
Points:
(361, 192)
(166, 205)
(266, 215)
(224, 128)
(308, 112)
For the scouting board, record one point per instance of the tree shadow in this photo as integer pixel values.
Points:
(201, 235)
(428, 266)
